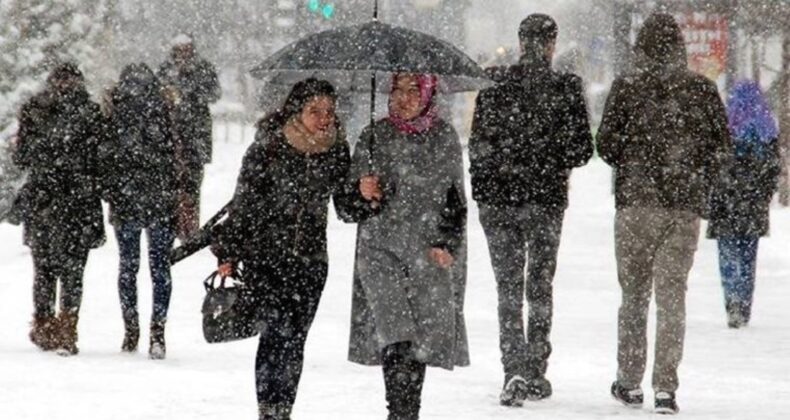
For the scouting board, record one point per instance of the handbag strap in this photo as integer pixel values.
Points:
(208, 283)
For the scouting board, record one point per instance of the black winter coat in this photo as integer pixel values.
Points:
(528, 132)
(58, 142)
(281, 202)
(742, 197)
(140, 181)
(198, 86)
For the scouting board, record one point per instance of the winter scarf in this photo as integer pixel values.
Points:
(427, 118)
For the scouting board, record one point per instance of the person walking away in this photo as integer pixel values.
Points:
(277, 231)
(191, 84)
(141, 187)
(406, 192)
(664, 132)
(528, 133)
(739, 213)
(60, 130)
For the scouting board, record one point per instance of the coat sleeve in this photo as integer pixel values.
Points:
(720, 146)
(208, 89)
(770, 171)
(611, 137)
(247, 201)
(575, 135)
(350, 206)
(484, 160)
(452, 220)
(27, 141)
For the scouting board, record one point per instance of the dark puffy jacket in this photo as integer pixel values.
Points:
(528, 132)
(140, 181)
(281, 202)
(198, 86)
(742, 197)
(58, 142)
(664, 130)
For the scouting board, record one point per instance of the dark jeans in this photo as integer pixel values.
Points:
(738, 266)
(512, 234)
(289, 291)
(160, 241)
(58, 263)
(403, 380)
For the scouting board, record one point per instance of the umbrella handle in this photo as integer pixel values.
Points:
(371, 167)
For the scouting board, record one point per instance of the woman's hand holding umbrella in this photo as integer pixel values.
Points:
(370, 189)
(441, 257)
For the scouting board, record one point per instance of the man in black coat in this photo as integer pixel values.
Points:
(60, 131)
(190, 84)
(528, 132)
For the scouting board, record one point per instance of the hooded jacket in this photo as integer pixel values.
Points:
(664, 128)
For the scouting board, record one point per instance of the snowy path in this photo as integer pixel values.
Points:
(725, 374)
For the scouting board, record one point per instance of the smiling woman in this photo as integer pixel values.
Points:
(409, 275)
(276, 229)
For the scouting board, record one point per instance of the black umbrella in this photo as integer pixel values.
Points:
(200, 239)
(355, 57)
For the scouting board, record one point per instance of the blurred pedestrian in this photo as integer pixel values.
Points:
(276, 231)
(60, 130)
(191, 84)
(739, 213)
(528, 133)
(664, 131)
(141, 187)
(406, 192)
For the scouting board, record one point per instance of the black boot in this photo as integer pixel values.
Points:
(403, 380)
(131, 337)
(157, 350)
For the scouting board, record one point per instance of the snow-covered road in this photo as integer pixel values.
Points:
(725, 374)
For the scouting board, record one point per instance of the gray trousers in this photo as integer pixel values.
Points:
(513, 233)
(654, 250)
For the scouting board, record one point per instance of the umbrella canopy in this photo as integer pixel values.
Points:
(349, 56)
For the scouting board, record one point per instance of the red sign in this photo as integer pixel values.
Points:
(706, 37)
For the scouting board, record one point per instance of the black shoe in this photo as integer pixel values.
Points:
(665, 403)
(514, 392)
(538, 389)
(632, 398)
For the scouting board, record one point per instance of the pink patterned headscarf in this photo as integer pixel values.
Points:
(427, 117)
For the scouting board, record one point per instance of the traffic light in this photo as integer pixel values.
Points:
(327, 10)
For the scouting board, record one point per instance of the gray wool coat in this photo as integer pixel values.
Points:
(399, 293)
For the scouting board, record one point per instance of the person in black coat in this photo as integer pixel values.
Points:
(276, 230)
(142, 191)
(528, 132)
(60, 131)
(739, 213)
(191, 84)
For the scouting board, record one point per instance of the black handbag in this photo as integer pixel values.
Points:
(230, 309)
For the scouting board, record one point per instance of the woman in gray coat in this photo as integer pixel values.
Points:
(406, 192)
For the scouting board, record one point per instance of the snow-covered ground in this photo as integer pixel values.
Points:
(725, 374)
